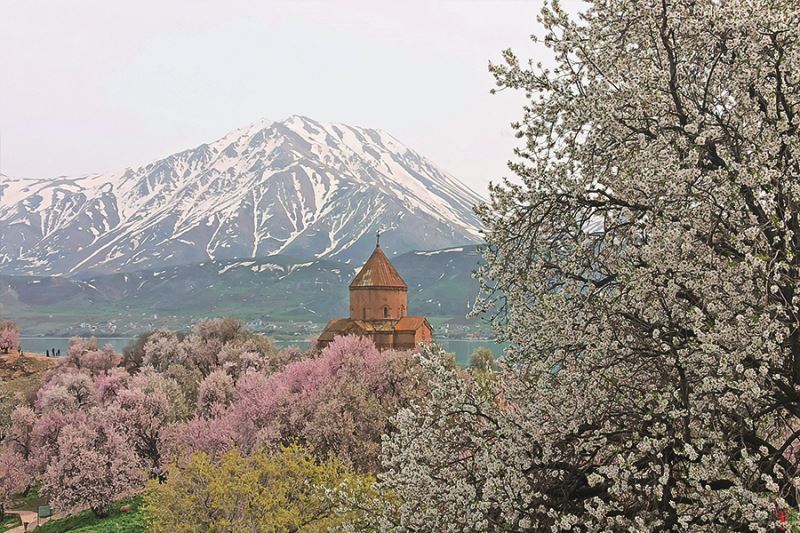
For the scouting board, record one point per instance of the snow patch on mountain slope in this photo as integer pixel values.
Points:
(297, 186)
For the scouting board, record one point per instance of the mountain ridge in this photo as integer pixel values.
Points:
(296, 186)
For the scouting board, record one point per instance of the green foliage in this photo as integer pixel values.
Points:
(267, 492)
(30, 500)
(133, 521)
(9, 521)
(134, 351)
(482, 359)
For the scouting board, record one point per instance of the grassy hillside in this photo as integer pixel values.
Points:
(20, 378)
(271, 291)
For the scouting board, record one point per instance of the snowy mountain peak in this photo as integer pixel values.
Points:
(295, 186)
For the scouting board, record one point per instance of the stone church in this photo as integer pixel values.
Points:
(379, 309)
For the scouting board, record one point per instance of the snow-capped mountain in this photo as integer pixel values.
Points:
(295, 187)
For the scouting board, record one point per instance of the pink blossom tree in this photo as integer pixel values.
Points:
(67, 390)
(205, 344)
(215, 393)
(84, 354)
(142, 412)
(162, 349)
(23, 419)
(77, 347)
(55, 397)
(13, 476)
(181, 440)
(9, 336)
(251, 353)
(213, 344)
(99, 361)
(20, 441)
(339, 402)
(108, 384)
(44, 438)
(94, 465)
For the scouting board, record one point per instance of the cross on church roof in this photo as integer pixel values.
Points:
(378, 243)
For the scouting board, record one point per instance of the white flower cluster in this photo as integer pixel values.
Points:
(645, 270)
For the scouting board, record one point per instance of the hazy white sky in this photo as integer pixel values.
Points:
(93, 85)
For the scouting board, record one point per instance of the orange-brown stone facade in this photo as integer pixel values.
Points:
(378, 303)
(379, 309)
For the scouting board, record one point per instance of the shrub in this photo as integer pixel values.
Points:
(288, 490)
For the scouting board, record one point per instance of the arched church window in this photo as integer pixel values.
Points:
(385, 312)
(402, 310)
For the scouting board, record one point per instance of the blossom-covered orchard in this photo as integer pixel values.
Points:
(644, 266)
(102, 425)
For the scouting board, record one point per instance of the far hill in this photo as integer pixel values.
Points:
(268, 291)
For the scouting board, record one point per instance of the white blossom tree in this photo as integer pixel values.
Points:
(94, 465)
(644, 266)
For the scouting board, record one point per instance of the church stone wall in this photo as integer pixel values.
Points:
(423, 335)
(405, 340)
(383, 341)
(368, 303)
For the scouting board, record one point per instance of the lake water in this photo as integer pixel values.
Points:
(463, 348)
(41, 344)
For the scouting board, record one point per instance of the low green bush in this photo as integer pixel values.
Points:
(10, 520)
(133, 521)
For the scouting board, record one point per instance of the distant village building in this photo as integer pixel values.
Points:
(379, 309)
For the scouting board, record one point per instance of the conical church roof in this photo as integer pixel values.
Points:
(378, 271)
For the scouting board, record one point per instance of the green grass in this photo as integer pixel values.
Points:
(134, 521)
(30, 501)
(10, 520)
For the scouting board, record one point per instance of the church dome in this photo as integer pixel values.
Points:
(378, 271)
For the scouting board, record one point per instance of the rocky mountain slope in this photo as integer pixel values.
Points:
(294, 187)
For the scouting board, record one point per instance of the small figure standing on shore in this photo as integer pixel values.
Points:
(47, 353)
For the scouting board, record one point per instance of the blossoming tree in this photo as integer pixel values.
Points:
(644, 266)
(13, 477)
(9, 336)
(95, 465)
